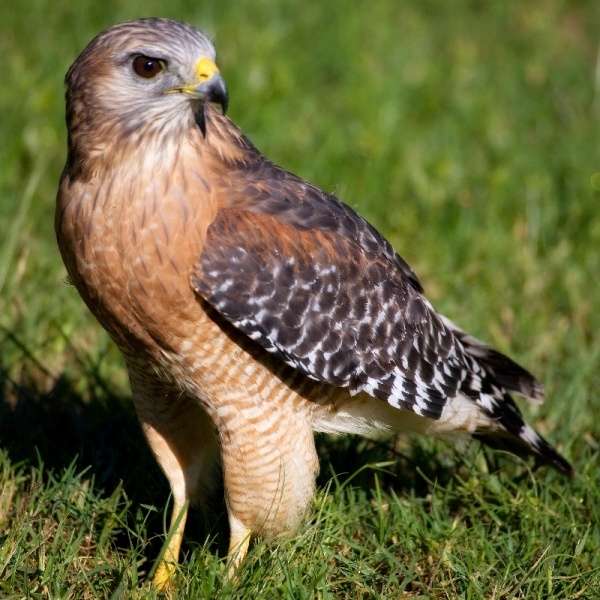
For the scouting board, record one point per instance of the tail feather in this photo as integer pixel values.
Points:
(495, 419)
(525, 444)
(506, 372)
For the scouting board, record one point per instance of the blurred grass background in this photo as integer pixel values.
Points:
(468, 133)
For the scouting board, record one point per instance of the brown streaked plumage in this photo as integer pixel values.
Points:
(252, 309)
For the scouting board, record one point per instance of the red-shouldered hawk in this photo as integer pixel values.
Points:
(252, 309)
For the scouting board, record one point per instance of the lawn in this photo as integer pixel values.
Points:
(469, 134)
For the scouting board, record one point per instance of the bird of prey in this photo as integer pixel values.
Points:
(252, 309)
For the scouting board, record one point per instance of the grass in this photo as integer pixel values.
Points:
(468, 133)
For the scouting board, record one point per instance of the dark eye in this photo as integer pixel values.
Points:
(147, 67)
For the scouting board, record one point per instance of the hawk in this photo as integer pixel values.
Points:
(251, 308)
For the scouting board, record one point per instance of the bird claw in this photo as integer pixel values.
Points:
(164, 576)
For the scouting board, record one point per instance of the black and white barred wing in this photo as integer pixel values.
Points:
(328, 307)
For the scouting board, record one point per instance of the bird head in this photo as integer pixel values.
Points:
(139, 78)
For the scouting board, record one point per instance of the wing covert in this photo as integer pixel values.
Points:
(329, 308)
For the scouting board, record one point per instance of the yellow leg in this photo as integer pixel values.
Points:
(166, 568)
(238, 545)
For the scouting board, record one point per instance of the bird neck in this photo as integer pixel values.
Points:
(223, 139)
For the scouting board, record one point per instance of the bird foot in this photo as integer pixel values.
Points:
(164, 576)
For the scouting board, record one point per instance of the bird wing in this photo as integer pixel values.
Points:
(306, 277)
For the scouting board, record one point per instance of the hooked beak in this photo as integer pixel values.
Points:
(209, 86)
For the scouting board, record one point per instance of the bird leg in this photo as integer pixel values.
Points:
(238, 545)
(183, 441)
(168, 563)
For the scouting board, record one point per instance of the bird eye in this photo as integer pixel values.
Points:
(147, 67)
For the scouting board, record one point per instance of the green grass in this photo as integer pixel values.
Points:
(467, 132)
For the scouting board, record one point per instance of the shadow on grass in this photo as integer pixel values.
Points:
(77, 421)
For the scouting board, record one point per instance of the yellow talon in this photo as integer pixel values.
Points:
(166, 569)
(164, 575)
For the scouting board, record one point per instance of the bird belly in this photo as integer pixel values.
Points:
(264, 426)
(365, 415)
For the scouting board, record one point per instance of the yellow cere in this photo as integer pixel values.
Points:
(205, 69)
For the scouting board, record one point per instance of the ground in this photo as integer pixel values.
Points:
(468, 135)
